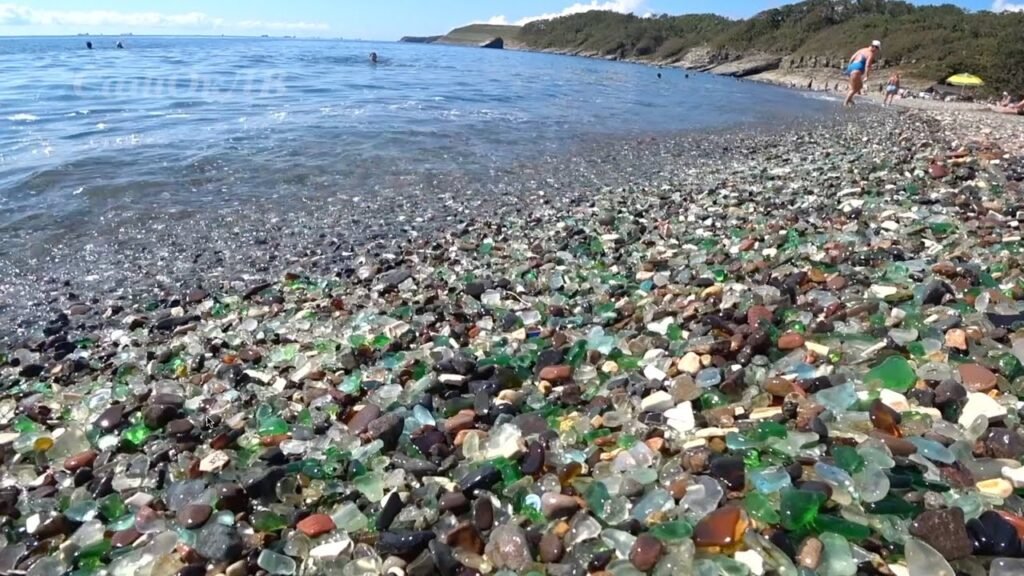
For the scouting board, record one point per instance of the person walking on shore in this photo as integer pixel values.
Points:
(859, 68)
(892, 88)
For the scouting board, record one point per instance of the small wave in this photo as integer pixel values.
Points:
(22, 117)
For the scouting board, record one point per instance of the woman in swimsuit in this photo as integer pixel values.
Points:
(892, 88)
(859, 68)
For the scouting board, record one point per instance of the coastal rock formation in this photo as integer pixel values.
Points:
(747, 66)
(420, 39)
(496, 43)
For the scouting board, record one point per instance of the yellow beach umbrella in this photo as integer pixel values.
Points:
(969, 80)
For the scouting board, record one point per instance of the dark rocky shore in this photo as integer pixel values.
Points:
(787, 352)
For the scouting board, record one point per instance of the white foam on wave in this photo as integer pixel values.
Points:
(22, 117)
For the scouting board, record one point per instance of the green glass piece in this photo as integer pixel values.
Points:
(752, 460)
(942, 228)
(841, 526)
(799, 508)
(674, 333)
(577, 353)
(593, 435)
(766, 430)
(305, 418)
(597, 497)
(123, 523)
(266, 521)
(674, 531)
(760, 508)
(895, 374)
(137, 434)
(112, 506)
(371, 485)
(628, 363)
(273, 426)
(848, 459)
(24, 424)
(380, 341)
(626, 441)
(894, 506)
(94, 551)
(509, 470)
(713, 399)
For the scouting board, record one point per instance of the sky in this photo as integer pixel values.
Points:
(352, 19)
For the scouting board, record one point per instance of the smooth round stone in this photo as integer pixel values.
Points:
(646, 552)
(556, 505)
(977, 378)
(315, 525)
(194, 515)
(731, 470)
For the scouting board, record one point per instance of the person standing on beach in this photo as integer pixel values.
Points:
(859, 68)
(892, 88)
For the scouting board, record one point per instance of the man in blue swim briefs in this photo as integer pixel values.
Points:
(858, 69)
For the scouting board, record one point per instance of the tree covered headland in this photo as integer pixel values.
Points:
(929, 42)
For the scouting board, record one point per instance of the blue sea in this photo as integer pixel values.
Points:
(172, 124)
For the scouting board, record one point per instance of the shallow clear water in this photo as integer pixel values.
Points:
(172, 126)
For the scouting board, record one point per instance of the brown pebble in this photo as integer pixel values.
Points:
(758, 314)
(977, 378)
(551, 548)
(956, 339)
(466, 537)
(790, 341)
(645, 553)
(557, 373)
(945, 531)
(809, 555)
(194, 515)
(779, 386)
(722, 528)
(463, 420)
(79, 461)
(836, 283)
(455, 502)
(125, 538)
(898, 446)
(315, 525)
(358, 423)
(483, 513)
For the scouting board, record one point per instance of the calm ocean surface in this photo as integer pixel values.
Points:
(172, 127)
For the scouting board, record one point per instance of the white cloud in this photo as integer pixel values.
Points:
(621, 6)
(84, 20)
(1004, 6)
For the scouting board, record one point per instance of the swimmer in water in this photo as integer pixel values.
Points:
(88, 45)
(373, 57)
(859, 68)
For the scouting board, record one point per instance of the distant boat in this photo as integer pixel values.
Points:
(265, 36)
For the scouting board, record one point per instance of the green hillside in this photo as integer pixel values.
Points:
(930, 42)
